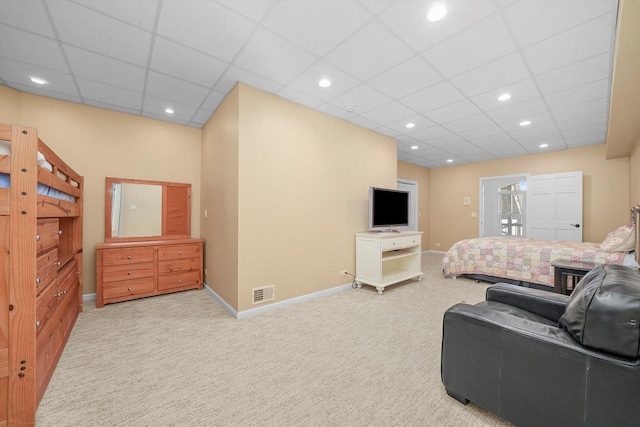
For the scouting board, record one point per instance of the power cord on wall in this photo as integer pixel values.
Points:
(354, 284)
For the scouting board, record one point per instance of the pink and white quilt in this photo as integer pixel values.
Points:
(525, 260)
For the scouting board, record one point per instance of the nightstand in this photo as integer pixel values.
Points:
(567, 274)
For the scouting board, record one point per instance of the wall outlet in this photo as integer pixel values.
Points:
(205, 271)
(437, 244)
(344, 272)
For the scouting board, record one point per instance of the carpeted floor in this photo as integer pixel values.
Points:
(351, 358)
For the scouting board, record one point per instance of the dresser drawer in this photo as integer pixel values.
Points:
(47, 234)
(127, 287)
(179, 280)
(178, 265)
(411, 241)
(179, 251)
(46, 303)
(126, 256)
(115, 273)
(46, 269)
(391, 244)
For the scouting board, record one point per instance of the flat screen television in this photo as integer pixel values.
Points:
(388, 209)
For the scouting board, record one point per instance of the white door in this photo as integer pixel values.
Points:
(412, 188)
(554, 207)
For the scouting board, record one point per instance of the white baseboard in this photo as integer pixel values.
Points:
(276, 305)
(434, 252)
(88, 297)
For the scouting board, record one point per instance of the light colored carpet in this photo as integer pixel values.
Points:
(352, 358)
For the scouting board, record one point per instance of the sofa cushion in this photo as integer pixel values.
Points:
(603, 312)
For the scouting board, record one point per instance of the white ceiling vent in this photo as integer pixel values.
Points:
(263, 294)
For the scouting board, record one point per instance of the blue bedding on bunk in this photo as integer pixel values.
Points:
(45, 190)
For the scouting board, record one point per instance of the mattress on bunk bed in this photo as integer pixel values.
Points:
(527, 260)
(44, 190)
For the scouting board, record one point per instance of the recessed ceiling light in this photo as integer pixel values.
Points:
(414, 147)
(324, 83)
(169, 111)
(449, 160)
(504, 97)
(543, 145)
(38, 80)
(410, 125)
(436, 13)
(525, 123)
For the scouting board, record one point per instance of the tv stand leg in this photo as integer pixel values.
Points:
(380, 289)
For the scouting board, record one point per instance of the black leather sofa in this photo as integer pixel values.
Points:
(535, 358)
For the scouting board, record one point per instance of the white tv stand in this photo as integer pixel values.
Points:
(386, 258)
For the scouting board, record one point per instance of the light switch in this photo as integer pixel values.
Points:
(466, 201)
(474, 214)
(132, 207)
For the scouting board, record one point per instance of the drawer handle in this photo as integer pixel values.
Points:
(179, 280)
(57, 263)
(179, 267)
(37, 280)
(129, 273)
(37, 323)
(37, 237)
(129, 257)
(59, 232)
(179, 252)
(77, 273)
(129, 288)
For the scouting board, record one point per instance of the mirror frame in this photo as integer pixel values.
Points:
(176, 210)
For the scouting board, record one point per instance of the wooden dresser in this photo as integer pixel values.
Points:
(131, 270)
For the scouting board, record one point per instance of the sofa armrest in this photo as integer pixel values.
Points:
(543, 303)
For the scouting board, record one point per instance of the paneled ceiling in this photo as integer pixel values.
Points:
(388, 65)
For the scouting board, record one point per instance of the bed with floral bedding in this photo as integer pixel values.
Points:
(531, 261)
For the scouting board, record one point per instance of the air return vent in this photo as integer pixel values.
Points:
(263, 294)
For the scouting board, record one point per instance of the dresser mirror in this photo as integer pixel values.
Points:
(146, 210)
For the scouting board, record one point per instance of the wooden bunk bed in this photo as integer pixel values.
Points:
(40, 268)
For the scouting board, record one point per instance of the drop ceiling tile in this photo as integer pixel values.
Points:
(314, 25)
(577, 74)
(460, 147)
(210, 28)
(597, 129)
(408, 20)
(108, 94)
(537, 121)
(531, 21)
(363, 97)
(299, 97)
(369, 52)
(405, 78)
(388, 131)
(173, 89)
(106, 70)
(404, 156)
(521, 91)
(519, 111)
(26, 15)
(578, 95)
(142, 14)
(364, 122)
(425, 135)
(389, 113)
(110, 37)
(155, 106)
(481, 43)
(273, 57)
(549, 131)
(500, 138)
(201, 117)
(111, 107)
(443, 141)
(307, 82)
(494, 75)
(433, 97)
(420, 122)
(477, 155)
(213, 100)
(580, 110)
(66, 93)
(426, 163)
(335, 111)
(582, 141)
(467, 123)
(505, 149)
(185, 63)
(376, 6)
(251, 9)
(18, 73)
(481, 132)
(457, 110)
(575, 45)
(580, 122)
(234, 74)
(407, 142)
(30, 49)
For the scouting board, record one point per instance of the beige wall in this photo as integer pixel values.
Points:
(605, 191)
(634, 175)
(421, 176)
(98, 143)
(302, 187)
(220, 197)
